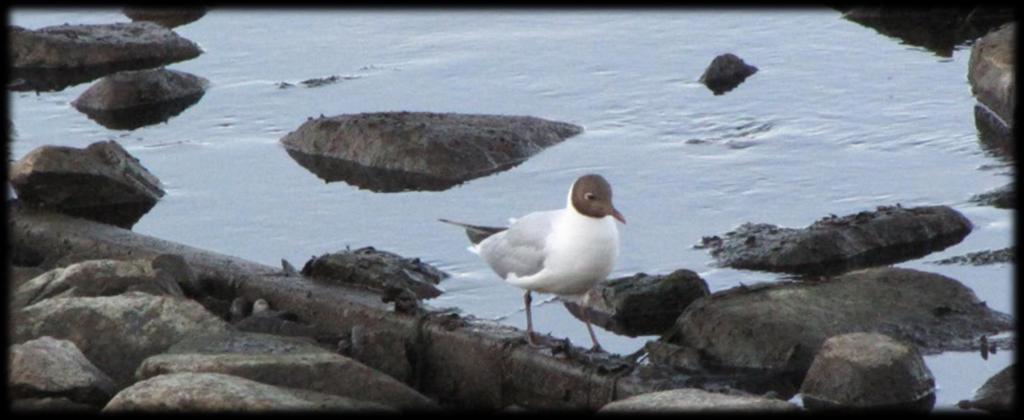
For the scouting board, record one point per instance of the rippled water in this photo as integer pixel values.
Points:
(839, 119)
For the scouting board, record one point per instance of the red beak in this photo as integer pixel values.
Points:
(618, 216)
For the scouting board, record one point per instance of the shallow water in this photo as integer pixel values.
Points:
(838, 119)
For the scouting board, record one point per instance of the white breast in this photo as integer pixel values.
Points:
(581, 251)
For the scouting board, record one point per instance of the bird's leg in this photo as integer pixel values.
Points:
(527, 299)
(586, 319)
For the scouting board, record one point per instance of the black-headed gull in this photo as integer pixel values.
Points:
(563, 252)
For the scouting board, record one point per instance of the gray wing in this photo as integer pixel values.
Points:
(520, 248)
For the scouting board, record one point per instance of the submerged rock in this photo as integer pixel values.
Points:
(54, 57)
(1002, 198)
(868, 371)
(996, 395)
(396, 151)
(377, 270)
(286, 363)
(131, 99)
(939, 29)
(97, 278)
(641, 304)
(1002, 256)
(215, 392)
(118, 332)
(992, 74)
(833, 244)
(725, 73)
(101, 182)
(46, 367)
(166, 17)
(780, 327)
(696, 400)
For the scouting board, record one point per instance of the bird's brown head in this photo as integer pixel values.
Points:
(591, 196)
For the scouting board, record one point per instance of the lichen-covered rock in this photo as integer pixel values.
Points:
(725, 73)
(781, 326)
(166, 17)
(216, 392)
(997, 395)
(696, 400)
(833, 244)
(378, 270)
(118, 332)
(641, 304)
(131, 99)
(397, 151)
(97, 278)
(49, 368)
(101, 182)
(868, 371)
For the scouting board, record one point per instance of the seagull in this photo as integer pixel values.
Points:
(564, 252)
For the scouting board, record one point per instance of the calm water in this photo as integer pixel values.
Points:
(839, 119)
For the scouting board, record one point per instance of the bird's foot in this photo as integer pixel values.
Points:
(533, 340)
(596, 348)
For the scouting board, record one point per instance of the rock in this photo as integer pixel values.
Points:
(51, 368)
(21, 275)
(55, 57)
(725, 73)
(304, 367)
(97, 278)
(1002, 256)
(780, 327)
(398, 151)
(175, 267)
(696, 400)
(275, 322)
(49, 404)
(868, 371)
(101, 182)
(238, 342)
(996, 395)
(641, 304)
(118, 332)
(992, 75)
(166, 17)
(215, 392)
(377, 270)
(131, 99)
(1002, 197)
(938, 29)
(836, 244)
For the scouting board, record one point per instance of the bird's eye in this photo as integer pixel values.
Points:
(588, 196)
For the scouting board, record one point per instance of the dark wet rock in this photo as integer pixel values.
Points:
(868, 371)
(396, 151)
(97, 278)
(116, 332)
(55, 57)
(101, 182)
(49, 404)
(938, 29)
(1003, 197)
(216, 392)
(833, 244)
(281, 362)
(49, 368)
(780, 327)
(175, 267)
(166, 17)
(641, 304)
(240, 308)
(131, 99)
(680, 357)
(725, 73)
(697, 400)
(1002, 256)
(992, 74)
(996, 395)
(238, 342)
(377, 270)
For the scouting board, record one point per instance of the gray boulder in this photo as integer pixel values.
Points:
(641, 304)
(131, 99)
(377, 270)
(780, 327)
(21, 275)
(725, 73)
(1002, 198)
(284, 362)
(166, 17)
(397, 151)
(833, 244)
(97, 278)
(216, 392)
(868, 371)
(51, 368)
(101, 182)
(50, 405)
(997, 395)
(696, 400)
(992, 74)
(118, 332)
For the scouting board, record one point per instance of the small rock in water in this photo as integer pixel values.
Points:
(725, 73)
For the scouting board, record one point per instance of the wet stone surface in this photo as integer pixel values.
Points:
(377, 270)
